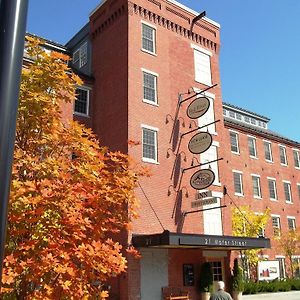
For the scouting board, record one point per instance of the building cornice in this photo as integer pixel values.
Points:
(159, 20)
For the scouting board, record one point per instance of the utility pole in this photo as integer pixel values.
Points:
(13, 14)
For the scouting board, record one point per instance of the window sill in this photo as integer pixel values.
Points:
(208, 84)
(239, 195)
(80, 114)
(150, 161)
(149, 52)
(253, 157)
(269, 161)
(284, 165)
(236, 153)
(274, 200)
(297, 168)
(150, 102)
(257, 197)
(217, 184)
(289, 202)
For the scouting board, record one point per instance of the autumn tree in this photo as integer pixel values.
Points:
(69, 196)
(290, 244)
(245, 222)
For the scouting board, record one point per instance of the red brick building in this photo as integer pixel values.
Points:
(144, 63)
(148, 61)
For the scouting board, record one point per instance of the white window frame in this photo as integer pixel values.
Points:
(88, 90)
(240, 183)
(285, 155)
(256, 177)
(249, 137)
(278, 223)
(298, 188)
(155, 102)
(294, 222)
(203, 76)
(155, 130)
(237, 141)
(296, 160)
(154, 32)
(281, 259)
(289, 191)
(269, 150)
(275, 188)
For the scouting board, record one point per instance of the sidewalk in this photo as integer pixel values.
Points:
(293, 295)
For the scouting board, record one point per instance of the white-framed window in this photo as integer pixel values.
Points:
(238, 183)
(149, 86)
(282, 154)
(287, 191)
(148, 38)
(210, 155)
(256, 186)
(296, 265)
(262, 230)
(268, 151)
(298, 188)
(82, 101)
(276, 225)
(272, 188)
(296, 155)
(202, 65)
(80, 55)
(149, 138)
(281, 259)
(234, 142)
(252, 146)
(291, 223)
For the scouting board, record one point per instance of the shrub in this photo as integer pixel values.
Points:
(237, 278)
(206, 278)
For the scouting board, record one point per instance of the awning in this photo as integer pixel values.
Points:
(184, 240)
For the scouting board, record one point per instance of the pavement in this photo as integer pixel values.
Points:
(293, 295)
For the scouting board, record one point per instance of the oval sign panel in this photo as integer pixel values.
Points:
(200, 142)
(198, 108)
(202, 179)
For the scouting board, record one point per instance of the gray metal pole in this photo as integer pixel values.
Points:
(13, 14)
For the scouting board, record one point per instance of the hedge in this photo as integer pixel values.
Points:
(274, 286)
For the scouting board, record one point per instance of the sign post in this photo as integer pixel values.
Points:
(13, 15)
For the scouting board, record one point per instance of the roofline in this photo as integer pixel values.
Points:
(74, 36)
(193, 12)
(245, 111)
(49, 42)
(266, 133)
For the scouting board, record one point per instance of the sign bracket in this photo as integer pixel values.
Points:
(199, 210)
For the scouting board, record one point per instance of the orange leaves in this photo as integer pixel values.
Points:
(68, 193)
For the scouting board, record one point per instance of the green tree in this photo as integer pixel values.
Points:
(69, 196)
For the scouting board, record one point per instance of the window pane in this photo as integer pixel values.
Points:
(256, 186)
(237, 179)
(148, 36)
(149, 144)
(252, 146)
(291, 224)
(276, 225)
(202, 67)
(81, 101)
(282, 155)
(296, 158)
(272, 189)
(287, 191)
(149, 82)
(268, 151)
(234, 142)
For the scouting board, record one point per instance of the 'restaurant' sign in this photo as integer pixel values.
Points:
(202, 179)
(198, 108)
(200, 142)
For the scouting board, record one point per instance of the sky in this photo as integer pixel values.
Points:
(259, 56)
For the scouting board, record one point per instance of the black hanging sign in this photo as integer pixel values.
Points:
(202, 179)
(198, 108)
(200, 142)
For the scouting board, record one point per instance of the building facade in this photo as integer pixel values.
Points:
(145, 64)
